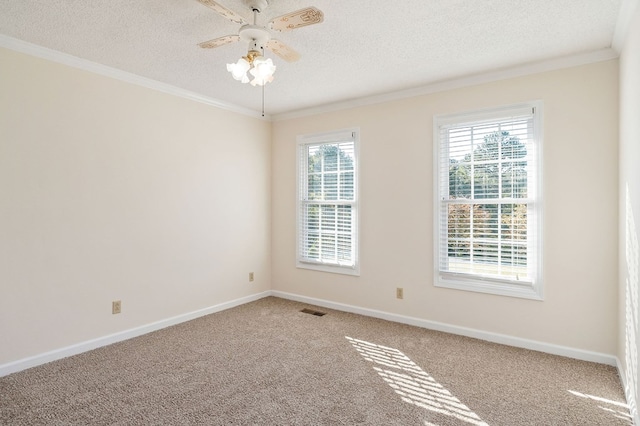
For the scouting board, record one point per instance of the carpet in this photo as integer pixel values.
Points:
(267, 363)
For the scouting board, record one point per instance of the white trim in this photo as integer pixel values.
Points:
(328, 137)
(96, 68)
(625, 15)
(507, 289)
(337, 136)
(628, 393)
(472, 282)
(440, 86)
(457, 83)
(33, 361)
(462, 331)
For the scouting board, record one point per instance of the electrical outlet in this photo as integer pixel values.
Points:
(116, 307)
(250, 276)
(399, 293)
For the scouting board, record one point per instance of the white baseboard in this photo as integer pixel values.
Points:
(462, 331)
(23, 364)
(628, 393)
(78, 348)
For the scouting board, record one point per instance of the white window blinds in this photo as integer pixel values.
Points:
(327, 202)
(488, 220)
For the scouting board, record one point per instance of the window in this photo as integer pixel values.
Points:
(488, 210)
(328, 202)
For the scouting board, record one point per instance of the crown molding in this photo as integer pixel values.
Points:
(457, 83)
(440, 86)
(96, 68)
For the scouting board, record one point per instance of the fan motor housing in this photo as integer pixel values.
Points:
(257, 5)
(256, 36)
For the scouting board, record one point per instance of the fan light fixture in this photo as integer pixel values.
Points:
(259, 38)
(257, 65)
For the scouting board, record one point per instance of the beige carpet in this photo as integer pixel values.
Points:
(267, 363)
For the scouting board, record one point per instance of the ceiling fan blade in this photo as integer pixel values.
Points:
(282, 50)
(220, 41)
(226, 13)
(297, 19)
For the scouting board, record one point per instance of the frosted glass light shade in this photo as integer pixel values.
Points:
(239, 70)
(262, 71)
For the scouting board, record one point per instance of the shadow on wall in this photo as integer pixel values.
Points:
(632, 257)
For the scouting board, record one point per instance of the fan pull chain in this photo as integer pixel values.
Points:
(263, 99)
(265, 83)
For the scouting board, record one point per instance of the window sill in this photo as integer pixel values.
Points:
(523, 291)
(334, 269)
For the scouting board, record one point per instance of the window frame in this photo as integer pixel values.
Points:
(319, 139)
(481, 283)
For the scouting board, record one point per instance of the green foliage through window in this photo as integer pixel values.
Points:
(328, 196)
(487, 212)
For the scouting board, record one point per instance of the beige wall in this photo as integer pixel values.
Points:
(580, 161)
(113, 191)
(629, 277)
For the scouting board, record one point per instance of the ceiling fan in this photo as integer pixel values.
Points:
(259, 38)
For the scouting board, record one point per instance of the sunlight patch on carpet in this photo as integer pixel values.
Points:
(412, 383)
(617, 409)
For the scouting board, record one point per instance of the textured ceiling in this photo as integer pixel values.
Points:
(363, 47)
